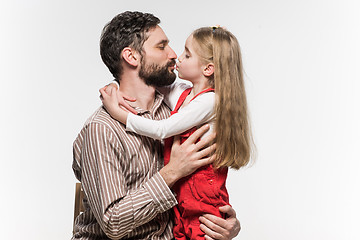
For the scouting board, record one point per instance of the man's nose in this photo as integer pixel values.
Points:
(172, 54)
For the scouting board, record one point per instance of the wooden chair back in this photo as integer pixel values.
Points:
(78, 206)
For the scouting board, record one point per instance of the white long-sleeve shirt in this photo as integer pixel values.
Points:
(198, 112)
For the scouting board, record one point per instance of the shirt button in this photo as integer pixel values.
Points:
(211, 181)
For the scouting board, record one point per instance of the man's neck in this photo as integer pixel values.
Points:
(135, 87)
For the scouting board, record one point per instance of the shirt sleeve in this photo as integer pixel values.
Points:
(197, 112)
(118, 210)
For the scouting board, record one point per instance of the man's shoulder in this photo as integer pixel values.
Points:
(102, 117)
(101, 121)
(100, 125)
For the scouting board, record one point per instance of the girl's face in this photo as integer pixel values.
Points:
(189, 66)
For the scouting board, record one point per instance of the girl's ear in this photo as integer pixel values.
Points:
(130, 56)
(209, 70)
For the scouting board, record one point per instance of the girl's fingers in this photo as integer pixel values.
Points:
(110, 87)
(124, 104)
(131, 99)
(103, 94)
(128, 107)
(113, 91)
(104, 88)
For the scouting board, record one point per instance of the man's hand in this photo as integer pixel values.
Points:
(218, 228)
(189, 156)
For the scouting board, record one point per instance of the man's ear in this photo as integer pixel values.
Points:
(130, 56)
(209, 69)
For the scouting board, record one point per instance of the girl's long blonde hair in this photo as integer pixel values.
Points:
(234, 143)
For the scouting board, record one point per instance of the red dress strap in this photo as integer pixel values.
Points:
(185, 93)
(181, 99)
(203, 91)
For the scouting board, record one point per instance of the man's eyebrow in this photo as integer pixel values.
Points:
(164, 41)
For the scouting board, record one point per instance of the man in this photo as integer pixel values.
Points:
(127, 189)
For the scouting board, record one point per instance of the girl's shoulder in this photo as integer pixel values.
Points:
(206, 99)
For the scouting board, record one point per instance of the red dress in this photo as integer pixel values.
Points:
(202, 192)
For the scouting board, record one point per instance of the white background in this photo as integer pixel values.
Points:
(302, 62)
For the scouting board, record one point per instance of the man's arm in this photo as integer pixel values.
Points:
(117, 210)
(189, 156)
(184, 160)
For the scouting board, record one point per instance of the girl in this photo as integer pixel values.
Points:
(212, 63)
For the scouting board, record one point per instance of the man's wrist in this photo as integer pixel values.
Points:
(169, 175)
(161, 193)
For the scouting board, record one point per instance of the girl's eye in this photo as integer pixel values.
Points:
(187, 56)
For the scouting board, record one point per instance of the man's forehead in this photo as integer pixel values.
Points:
(156, 35)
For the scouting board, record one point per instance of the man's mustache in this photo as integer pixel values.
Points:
(171, 63)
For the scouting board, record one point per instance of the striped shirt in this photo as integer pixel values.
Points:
(125, 196)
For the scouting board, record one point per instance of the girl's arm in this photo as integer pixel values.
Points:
(197, 112)
(114, 102)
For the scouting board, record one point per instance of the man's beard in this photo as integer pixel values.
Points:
(156, 75)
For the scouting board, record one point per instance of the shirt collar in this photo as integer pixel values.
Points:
(159, 97)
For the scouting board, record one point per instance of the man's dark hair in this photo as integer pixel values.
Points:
(128, 29)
